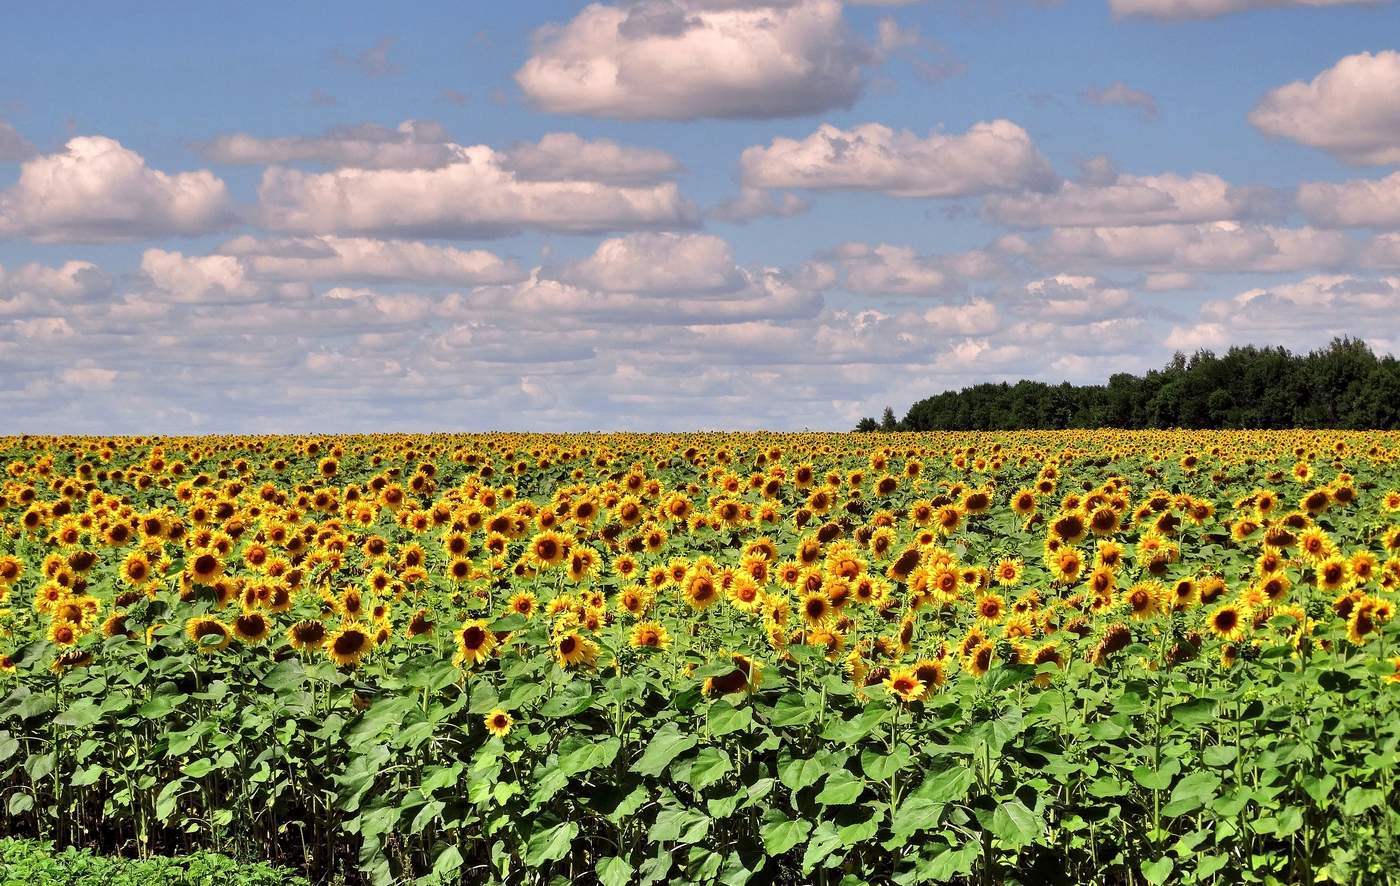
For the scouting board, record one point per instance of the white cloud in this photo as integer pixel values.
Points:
(686, 59)
(1352, 204)
(884, 269)
(1120, 93)
(208, 279)
(89, 377)
(1224, 246)
(72, 281)
(1069, 298)
(1134, 200)
(472, 197)
(1352, 109)
(659, 262)
(564, 156)
(1298, 314)
(363, 259)
(13, 146)
(870, 157)
(415, 144)
(752, 203)
(1187, 9)
(97, 190)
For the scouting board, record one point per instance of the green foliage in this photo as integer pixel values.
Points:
(34, 863)
(1341, 386)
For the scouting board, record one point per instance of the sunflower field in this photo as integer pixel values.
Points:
(1020, 657)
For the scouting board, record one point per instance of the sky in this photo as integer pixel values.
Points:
(672, 214)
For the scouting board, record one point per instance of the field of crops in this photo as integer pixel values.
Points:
(1070, 657)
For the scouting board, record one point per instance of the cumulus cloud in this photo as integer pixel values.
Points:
(885, 269)
(1297, 314)
(1072, 297)
(207, 279)
(752, 203)
(1188, 9)
(657, 262)
(414, 144)
(1351, 110)
(1352, 204)
(13, 146)
(564, 156)
(97, 190)
(1120, 93)
(474, 196)
(369, 260)
(1135, 200)
(687, 59)
(871, 157)
(1223, 247)
(73, 280)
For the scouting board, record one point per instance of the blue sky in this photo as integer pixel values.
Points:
(1054, 191)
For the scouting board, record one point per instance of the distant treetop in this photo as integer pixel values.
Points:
(1344, 385)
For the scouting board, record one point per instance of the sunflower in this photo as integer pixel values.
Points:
(930, 672)
(475, 642)
(251, 628)
(650, 635)
(308, 634)
(206, 567)
(209, 635)
(1226, 621)
(978, 660)
(745, 594)
(64, 633)
(991, 608)
(1360, 623)
(572, 650)
(349, 644)
(1023, 502)
(816, 609)
(1067, 565)
(1008, 571)
(547, 549)
(905, 685)
(1333, 574)
(745, 677)
(700, 589)
(1145, 599)
(498, 723)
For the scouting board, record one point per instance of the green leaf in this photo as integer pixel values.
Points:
(950, 863)
(80, 714)
(1014, 824)
(569, 700)
(613, 871)
(710, 765)
(447, 862)
(949, 786)
(824, 841)
(20, 803)
(724, 718)
(1158, 871)
(1159, 779)
(1196, 712)
(841, 789)
(1192, 792)
(800, 772)
(550, 844)
(666, 745)
(781, 833)
(881, 766)
(1360, 799)
(792, 710)
(917, 814)
(1219, 756)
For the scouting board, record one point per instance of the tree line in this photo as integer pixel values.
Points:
(1344, 385)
